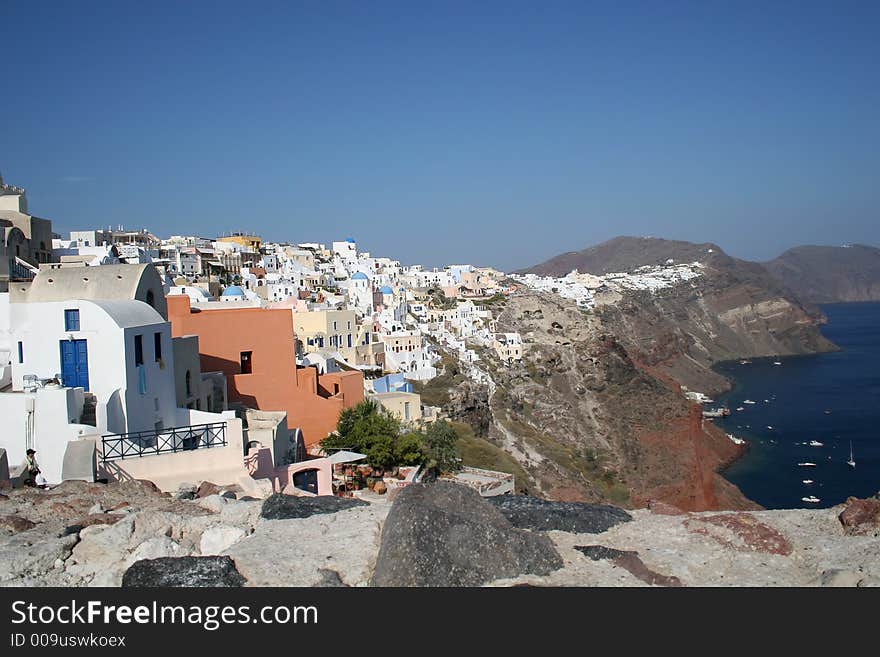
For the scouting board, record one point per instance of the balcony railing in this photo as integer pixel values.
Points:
(163, 441)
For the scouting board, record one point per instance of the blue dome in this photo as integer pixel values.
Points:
(233, 291)
(386, 290)
(359, 276)
(350, 240)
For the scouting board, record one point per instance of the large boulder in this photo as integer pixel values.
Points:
(445, 534)
(861, 516)
(543, 515)
(286, 507)
(183, 572)
(295, 552)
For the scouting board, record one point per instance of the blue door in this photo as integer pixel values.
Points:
(75, 364)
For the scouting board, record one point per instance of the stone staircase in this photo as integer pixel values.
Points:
(89, 410)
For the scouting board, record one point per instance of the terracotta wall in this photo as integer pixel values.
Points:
(275, 383)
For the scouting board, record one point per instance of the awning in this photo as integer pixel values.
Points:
(344, 456)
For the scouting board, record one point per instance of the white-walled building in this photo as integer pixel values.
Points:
(92, 355)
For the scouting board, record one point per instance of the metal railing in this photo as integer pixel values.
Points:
(163, 441)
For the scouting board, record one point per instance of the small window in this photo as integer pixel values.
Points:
(246, 365)
(151, 299)
(138, 350)
(157, 345)
(71, 320)
(20, 353)
(188, 383)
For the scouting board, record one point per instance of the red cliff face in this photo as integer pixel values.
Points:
(699, 450)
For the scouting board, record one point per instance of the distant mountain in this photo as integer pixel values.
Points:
(736, 309)
(829, 274)
(623, 254)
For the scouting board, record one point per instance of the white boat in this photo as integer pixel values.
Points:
(740, 408)
(776, 362)
(815, 443)
(851, 463)
(769, 427)
(807, 464)
(808, 481)
(749, 401)
(811, 498)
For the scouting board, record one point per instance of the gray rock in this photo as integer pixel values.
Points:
(228, 494)
(186, 492)
(183, 572)
(329, 578)
(29, 555)
(542, 515)
(213, 503)
(217, 539)
(155, 548)
(286, 507)
(293, 552)
(445, 534)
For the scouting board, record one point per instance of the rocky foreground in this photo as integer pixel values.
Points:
(440, 534)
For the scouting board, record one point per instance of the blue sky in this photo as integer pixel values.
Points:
(500, 133)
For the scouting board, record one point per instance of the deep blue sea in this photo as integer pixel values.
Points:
(792, 399)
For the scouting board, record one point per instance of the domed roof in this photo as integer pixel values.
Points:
(233, 291)
(386, 290)
(350, 240)
(359, 276)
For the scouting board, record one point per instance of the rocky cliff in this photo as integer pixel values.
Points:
(438, 534)
(736, 309)
(590, 423)
(830, 274)
(596, 412)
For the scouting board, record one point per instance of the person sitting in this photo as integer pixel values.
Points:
(30, 470)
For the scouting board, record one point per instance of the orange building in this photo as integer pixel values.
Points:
(254, 348)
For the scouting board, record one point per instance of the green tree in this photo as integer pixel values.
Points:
(370, 430)
(441, 447)
(409, 449)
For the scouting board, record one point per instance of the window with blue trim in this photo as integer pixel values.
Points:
(20, 353)
(71, 320)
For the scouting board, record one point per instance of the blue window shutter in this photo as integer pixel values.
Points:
(71, 320)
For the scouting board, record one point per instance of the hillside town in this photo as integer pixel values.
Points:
(230, 359)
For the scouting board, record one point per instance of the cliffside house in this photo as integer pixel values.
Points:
(25, 240)
(93, 384)
(508, 346)
(254, 348)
